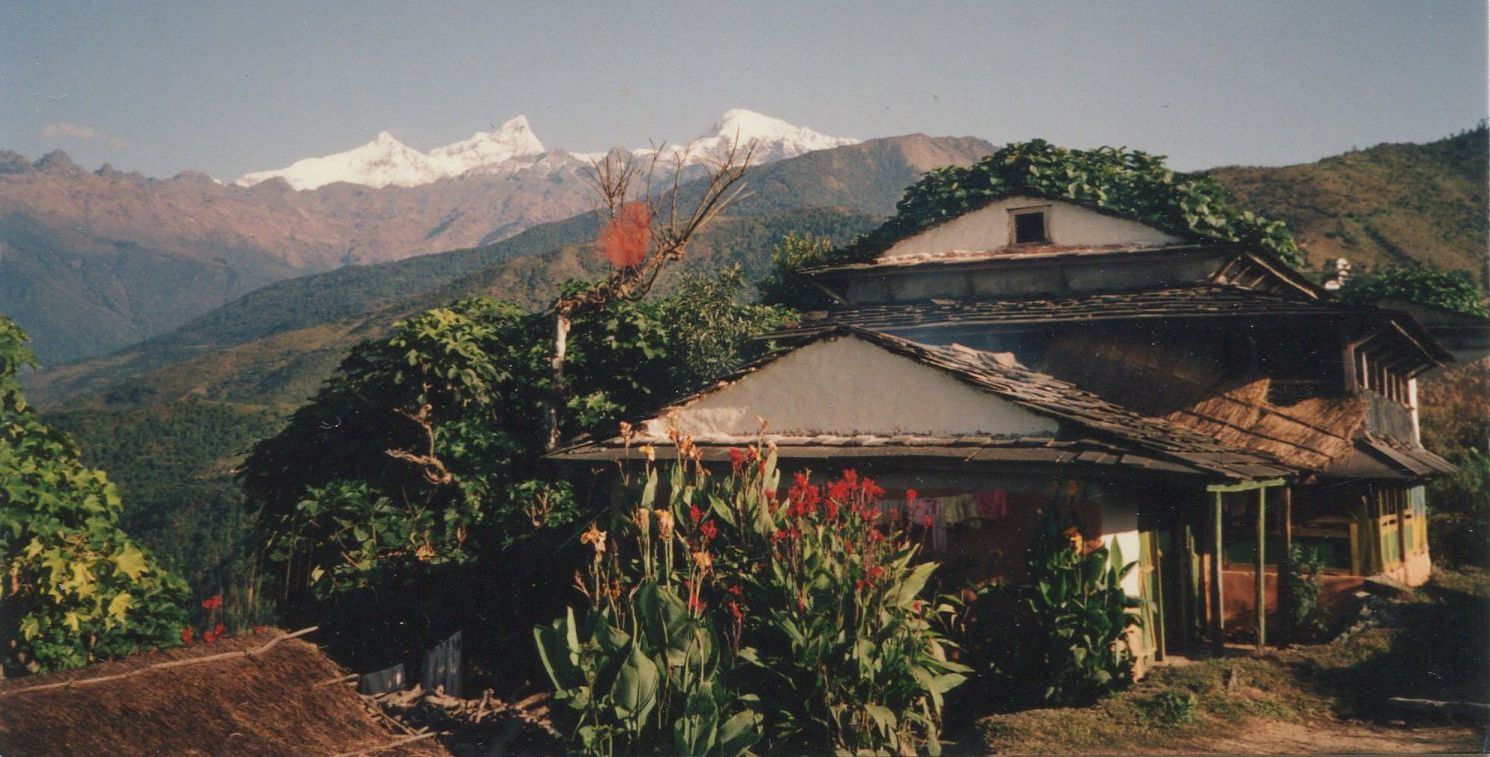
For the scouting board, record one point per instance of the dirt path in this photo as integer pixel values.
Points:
(1335, 737)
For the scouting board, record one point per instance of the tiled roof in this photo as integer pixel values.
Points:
(1381, 458)
(1176, 303)
(1097, 432)
(1005, 254)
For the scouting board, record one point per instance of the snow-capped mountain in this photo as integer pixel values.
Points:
(774, 139)
(387, 162)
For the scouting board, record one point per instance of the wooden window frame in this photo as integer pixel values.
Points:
(1014, 213)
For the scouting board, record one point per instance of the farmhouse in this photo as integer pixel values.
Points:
(1199, 403)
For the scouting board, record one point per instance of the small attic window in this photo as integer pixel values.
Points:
(1030, 226)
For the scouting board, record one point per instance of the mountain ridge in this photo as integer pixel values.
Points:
(385, 161)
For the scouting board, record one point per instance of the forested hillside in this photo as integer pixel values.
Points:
(1389, 205)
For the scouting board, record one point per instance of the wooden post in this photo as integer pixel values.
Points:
(1401, 497)
(1218, 622)
(1285, 567)
(1262, 582)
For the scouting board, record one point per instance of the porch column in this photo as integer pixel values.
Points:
(1285, 566)
(1262, 584)
(1218, 622)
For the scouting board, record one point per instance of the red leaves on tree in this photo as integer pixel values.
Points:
(625, 239)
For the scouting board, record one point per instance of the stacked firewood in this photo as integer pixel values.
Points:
(477, 727)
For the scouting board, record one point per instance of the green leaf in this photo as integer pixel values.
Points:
(634, 692)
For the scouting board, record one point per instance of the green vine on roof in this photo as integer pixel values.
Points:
(1129, 182)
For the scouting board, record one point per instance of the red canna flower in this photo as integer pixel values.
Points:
(695, 514)
(736, 458)
(213, 602)
(218, 631)
(709, 530)
(186, 636)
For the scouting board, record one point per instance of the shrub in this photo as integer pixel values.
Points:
(1175, 707)
(73, 586)
(1081, 615)
(742, 615)
(1301, 585)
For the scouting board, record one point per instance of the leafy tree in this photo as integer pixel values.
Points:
(76, 588)
(1131, 182)
(1450, 290)
(420, 463)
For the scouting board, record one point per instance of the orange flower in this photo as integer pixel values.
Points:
(1074, 536)
(664, 524)
(596, 538)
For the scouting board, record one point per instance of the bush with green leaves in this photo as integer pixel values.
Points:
(1455, 291)
(811, 603)
(1129, 182)
(789, 256)
(1081, 616)
(76, 588)
(1302, 583)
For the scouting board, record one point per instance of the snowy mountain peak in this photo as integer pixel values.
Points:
(385, 161)
(513, 139)
(773, 138)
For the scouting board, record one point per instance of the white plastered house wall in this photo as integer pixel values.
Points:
(846, 386)
(1067, 224)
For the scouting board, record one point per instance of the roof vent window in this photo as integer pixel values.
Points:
(1029, 228)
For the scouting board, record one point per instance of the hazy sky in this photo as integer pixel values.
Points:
(238, 86)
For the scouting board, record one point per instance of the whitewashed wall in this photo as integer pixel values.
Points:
(988, 229)
(847, 386)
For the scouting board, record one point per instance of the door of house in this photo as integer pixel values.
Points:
(1150, 590)
(1178, 586)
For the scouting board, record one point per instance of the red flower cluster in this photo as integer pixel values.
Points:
(695, 514)
(213, 602)
(186, 636)
(804, 496)
(212, 636)
(708, 530)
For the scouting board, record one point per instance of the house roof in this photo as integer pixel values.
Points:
(1377, 457)
(1094, 430)
(1024, 253)
(1205, 301)
(223, 698)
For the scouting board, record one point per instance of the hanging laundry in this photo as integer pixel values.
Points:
(955, 509)
(992, 505)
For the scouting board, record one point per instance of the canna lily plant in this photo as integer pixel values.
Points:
(739, 617)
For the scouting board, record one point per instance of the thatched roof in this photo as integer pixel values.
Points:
(280, 700)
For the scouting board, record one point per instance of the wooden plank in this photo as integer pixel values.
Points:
(1285, 566)
(1244, 486)
(1261, 599)
(1218, 620)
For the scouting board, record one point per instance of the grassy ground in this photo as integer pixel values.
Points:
(1330, 696)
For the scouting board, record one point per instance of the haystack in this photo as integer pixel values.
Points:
(241, 696)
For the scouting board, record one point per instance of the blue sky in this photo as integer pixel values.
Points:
(231, 87)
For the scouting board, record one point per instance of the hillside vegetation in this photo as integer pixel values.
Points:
(1389, 205)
